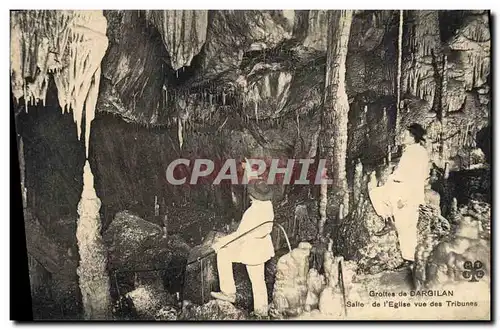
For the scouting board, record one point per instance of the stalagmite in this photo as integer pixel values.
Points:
(334, 119)
(358, 182)
(179, 132)
(454, 205)
(256, 108)
(322, 204)
(92, 270)
(446, 171)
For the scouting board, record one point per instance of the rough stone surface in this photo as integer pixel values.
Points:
(432, 228)
(290, 288)
(136, 244)
(201, 276)
(214, 310)
(147, 301)
(433, 199)
(133, 65)
(93, 277)
(167, 313)
(468, 241)
(183, 31)
(331, 302)
(315, 285)
(377, 253)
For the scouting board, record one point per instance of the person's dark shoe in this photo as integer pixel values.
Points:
(404, 265)
(389, 226)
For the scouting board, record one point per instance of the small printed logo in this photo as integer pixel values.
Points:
(473, 271)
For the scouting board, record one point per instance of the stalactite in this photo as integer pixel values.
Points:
(385, 121)
(298, 124)
(183, 32)
(400, 60)
(423, 43)
(75, 38)
(90, 105)
(444, 109)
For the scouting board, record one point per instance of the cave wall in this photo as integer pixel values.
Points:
(53, 159)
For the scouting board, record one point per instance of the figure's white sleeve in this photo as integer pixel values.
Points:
(405, 167)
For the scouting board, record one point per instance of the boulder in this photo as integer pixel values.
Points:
(136, 244)
(146, 301)
(377, 253)
(201, 276)
(432, 198)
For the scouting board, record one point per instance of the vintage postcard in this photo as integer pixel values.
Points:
(182, 165)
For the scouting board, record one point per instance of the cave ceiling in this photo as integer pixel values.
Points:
(161, 66)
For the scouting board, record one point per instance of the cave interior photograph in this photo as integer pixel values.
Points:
(105, 101)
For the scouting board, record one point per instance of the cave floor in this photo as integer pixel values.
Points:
(393, 291)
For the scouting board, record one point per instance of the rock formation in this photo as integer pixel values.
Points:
(291, 286)
(469, 241)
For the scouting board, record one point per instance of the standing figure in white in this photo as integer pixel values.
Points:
(399, 199)
(252, 249)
